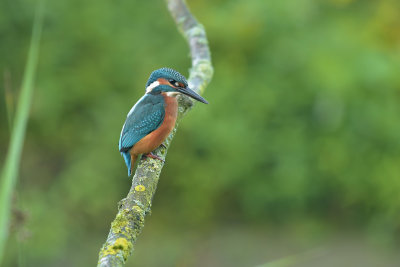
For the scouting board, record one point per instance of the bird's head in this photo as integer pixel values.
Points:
(171, 82)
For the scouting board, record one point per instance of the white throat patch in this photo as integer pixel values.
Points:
(152, 86)
(172, 94)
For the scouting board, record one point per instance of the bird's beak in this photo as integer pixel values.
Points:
(189, 92)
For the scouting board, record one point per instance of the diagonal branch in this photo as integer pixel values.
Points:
(132, 210)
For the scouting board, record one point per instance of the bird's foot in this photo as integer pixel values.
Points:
(151, 155)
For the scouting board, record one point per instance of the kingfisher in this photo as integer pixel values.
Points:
(153, 117)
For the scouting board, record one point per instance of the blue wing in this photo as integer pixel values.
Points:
(145, 116)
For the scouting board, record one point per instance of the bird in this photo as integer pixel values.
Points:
(153, 117)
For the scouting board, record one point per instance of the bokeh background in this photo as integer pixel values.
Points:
(297, 155)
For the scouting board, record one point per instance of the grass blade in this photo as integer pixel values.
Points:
(9, 98)
(296, 259)
(10, 170)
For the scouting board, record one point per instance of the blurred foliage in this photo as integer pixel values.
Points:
(302, 131)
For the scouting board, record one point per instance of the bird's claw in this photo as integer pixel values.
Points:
(151, 155)
(164, 145)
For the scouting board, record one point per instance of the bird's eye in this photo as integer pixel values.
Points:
(174, 83)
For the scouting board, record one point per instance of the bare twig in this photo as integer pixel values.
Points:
(132, 210)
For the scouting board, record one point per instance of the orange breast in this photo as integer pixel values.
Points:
(155, 138)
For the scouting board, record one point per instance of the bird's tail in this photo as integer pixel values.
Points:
(129, 161)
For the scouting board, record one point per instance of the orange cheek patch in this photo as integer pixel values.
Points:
(163, 81)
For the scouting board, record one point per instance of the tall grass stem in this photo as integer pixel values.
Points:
(10, 170)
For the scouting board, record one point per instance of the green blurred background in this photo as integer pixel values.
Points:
(298, 151)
